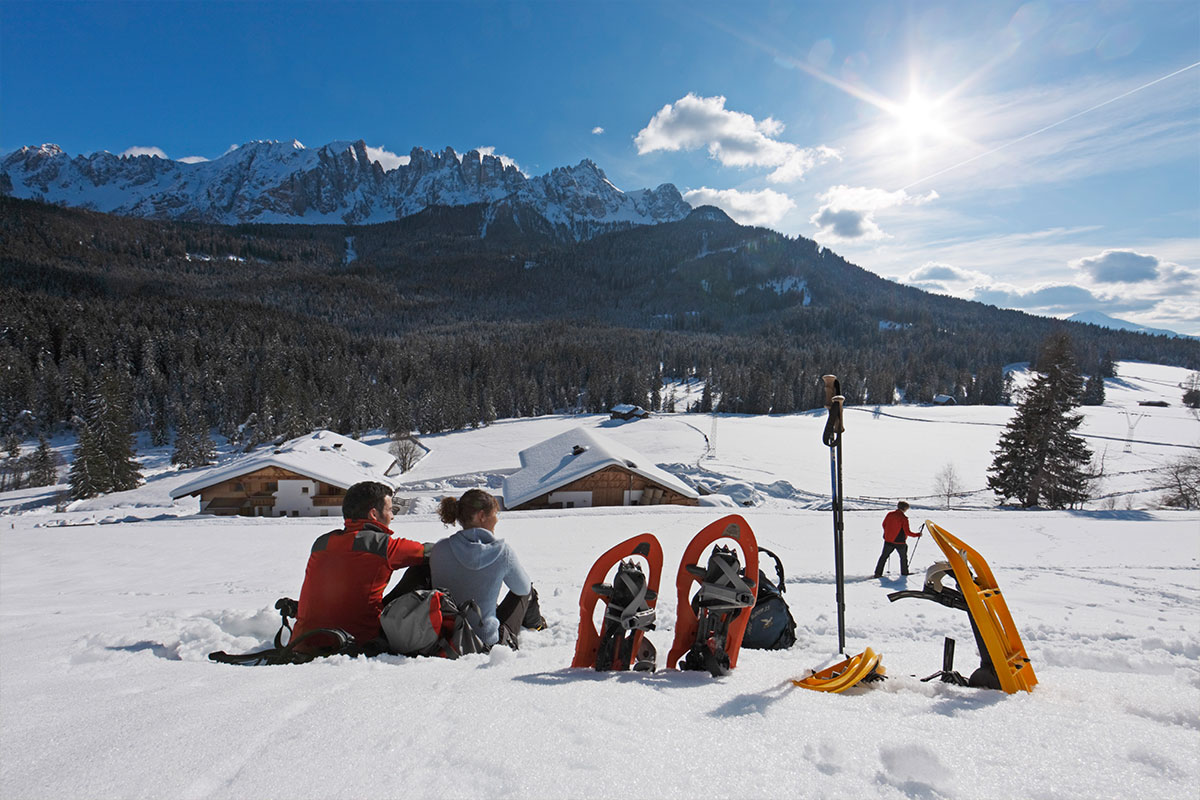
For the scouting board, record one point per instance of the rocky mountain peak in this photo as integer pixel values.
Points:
(283, 181)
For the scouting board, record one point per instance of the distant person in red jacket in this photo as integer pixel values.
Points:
(349, 569)
(895, 536)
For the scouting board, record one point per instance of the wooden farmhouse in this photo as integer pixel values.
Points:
(305, 477)
(580, 469)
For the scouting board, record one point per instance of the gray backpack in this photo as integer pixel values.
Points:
(426, 622)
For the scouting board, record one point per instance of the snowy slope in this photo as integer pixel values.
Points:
(105, 690)
(271, 181)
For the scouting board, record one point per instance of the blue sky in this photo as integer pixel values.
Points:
(1041, 155)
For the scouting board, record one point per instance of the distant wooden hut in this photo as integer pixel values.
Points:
(626, 411)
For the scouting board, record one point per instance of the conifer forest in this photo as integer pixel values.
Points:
(268, 331)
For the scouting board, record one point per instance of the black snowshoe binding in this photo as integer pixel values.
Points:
(724, 591)
(985, 676)
(627, 614)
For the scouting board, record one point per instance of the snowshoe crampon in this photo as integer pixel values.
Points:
(1003, 661)
(862, 668)
(710, 627)
(620, 641)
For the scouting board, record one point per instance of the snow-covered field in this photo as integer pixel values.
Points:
(105, 689)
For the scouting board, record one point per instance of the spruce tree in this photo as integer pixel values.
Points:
(85, 476)
(104, 458)
(44, 471)
(1093, 391)
(1039, 459)
(193, 445)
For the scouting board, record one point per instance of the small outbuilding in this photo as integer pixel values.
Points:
(581, 468)
(626, 411)
(305, 477)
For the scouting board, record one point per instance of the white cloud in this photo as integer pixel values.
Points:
(765, 207)
(734, 138)
(848, 212)
(388, 160)
(155, 152)
(1050, 298)
(934, 271)
(596, 131)
(192, 160)
(1119, 266)
(505, 160)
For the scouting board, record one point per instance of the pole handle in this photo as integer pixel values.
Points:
(833, 388)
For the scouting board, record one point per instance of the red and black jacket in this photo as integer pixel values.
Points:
(346, 576)
(895, 527)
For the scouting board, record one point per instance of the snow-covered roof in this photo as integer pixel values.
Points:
(572, 455)
(325, 456)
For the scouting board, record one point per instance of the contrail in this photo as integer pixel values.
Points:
(1048, 127)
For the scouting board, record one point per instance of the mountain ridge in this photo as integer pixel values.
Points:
(1113, 323)
(278, 182)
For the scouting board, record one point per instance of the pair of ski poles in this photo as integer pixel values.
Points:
(832, 438)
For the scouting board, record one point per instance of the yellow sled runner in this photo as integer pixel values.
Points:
(1000, 644)
(844, 674)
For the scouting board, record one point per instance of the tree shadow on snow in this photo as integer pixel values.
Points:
(1123, 515)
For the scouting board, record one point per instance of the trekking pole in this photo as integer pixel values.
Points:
(832, 438)
(915, 546)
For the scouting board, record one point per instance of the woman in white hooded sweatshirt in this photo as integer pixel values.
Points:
(472, 563)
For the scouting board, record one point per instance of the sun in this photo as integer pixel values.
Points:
(919, 120)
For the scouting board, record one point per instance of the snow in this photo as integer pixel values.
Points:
(105, 690)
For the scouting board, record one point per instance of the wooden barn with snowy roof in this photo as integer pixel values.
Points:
(304, 477)
(581, 469)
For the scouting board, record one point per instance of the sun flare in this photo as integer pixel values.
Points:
(918, 119)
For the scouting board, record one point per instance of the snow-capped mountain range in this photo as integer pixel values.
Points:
(285, 182)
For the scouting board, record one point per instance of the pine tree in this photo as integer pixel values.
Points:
(44, 471)
(193, 445)
(85, 476)
(104, 458)
(1039, 459)
(1093, 391)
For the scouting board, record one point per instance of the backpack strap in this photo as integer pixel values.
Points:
(778, 569)
(287, 607)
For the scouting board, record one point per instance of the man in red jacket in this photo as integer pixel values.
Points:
(349, 568)
(895, 535)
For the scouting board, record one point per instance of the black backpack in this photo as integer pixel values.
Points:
(771, 626)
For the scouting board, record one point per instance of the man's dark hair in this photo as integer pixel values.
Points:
(903, 506)
(362, 497)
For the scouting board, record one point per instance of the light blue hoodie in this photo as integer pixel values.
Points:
(470, 565)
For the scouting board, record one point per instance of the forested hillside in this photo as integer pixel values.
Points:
(422, 324)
